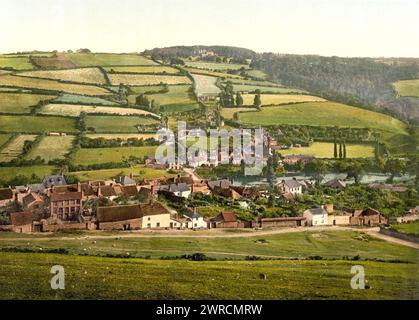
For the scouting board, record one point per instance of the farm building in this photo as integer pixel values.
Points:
(194, 220)
(367, 216)
(177, 189)
(21, 221)
(6, 196)
(316, 217)
(226, 220)
(336, 184)
(297, 158)
(279, 222)
(290, 186)
(131, 217)
(336, 220)
(228, 193)
(33, 201)
(224, 184)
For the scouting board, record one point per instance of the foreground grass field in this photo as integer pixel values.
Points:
(408, 88)
(326, 150)
(27, 276)
(324, 114)
(33, 124)
(104, 155)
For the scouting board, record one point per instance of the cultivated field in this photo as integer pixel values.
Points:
(263, 89)
(177, 95)
(326, 150)
(51, 147)
(408, 88)
(205, 84)
(228, 113)
(324, 114)
(108, 124)
(15, 147)
(15, 62)
(145, 89)
(82, 75)
(123, 136)
(34, 124)
(213, 73)
(108, 59)
(20, 102)
(259, 74)
(104, 155)
(58, 61)
(145, 79)
(73, 110)
(8, 173)
(67, 98)
(274, 99)
(4, 137)
(215, 66)
(51, 85)
(142, 69)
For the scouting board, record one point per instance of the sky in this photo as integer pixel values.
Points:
(375, 28)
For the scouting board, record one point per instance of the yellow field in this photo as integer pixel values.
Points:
(146, 79)
(14, 148)
(326, 150)
(51, 147)
(123, 136)
(228, 113)
(83, 75)
(274, 99)
(143, 69)
(74, 110)
(213, 73)
(21, 102)
(51, 85)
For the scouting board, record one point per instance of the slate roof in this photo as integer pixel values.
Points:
(292, 183)
(125, 180)
(192, 215)
(317, 211)
(54, 180)
(174, 187)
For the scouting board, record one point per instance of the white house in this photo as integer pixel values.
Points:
(316, 217)
(291, 186)
(194, 220)
(178, 189)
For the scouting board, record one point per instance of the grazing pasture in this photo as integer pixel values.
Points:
(273, 99)
(58, 61)
(104, 155)
(326, 150)
(51, 85)
(264, 89)
(146, 79)
(9, 173)
(205, 85)
(51, 147)
(145, 89)
(408, 88)
(119, 124)
(324, 114)
(142, 69)
(15, 62)
(259, 74)
(4, 137)
(213, 73)
(215, 66)
(123, 136)
(67, 98)
(82, 75)
(181, 94)
(228, 113)
(21, 102)
(73, 110)
(108, 59)
(36, 124)
(15, 147)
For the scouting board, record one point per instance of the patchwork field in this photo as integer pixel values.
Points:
(104, 155)
(108, 59)
(324, 114)
(408, 88)
(20, 102)
(15, 62)
(256, 74)
(9, 173)
(265, 89)
(273, 99)
(15, 147)
(82, 75)
(145, 79)
(67, 98)
(73, 110)
(108, 124)
(57, 61)
(177, 95)
(215, 66)
(411, 228)
(142, 69)
(4, 137)
(124, 136)
(228, 113)
(33, 124)
(52, 147)
(326, 150)
(213, 73)
(205, 84)
(146, 89)
(51, 85)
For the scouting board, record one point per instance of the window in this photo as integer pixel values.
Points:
(148, 225)
(158, 224)
(148, 218)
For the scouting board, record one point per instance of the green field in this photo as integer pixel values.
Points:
(15, 62)
(52, 147)
(143, 69)
(27, 276)
(263, 89)
(8, 173)
(123, 136)
(108, 59)
(324, 114)
(80, 75)
(104, 155)
(140, 172)
(408, 88)
(74, 110)
(215, 66)
(15, 147)
(34, 124)
(411, 228)
(137, 90)
(259, 74)
(20, 102)
(4, 137)
(213, 73)
(78, 99)
(117, 124)
(205, 84)
(326, 150)
(228, 113)
(276, 99)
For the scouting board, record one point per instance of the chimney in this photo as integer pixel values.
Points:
(152, 190)
(220, 183)
(192, 188)
(78, 186)
(99, 191)
(131, 175)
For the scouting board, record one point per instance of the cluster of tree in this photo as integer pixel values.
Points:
(228, 98)
(360, 82)
(150, 105)
(342, 150)
(118, 142)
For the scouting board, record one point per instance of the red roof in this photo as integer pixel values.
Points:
(229, 217)
(21, 218)
(66, 196)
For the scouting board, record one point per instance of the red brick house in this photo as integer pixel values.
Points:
(368, 217)
(66, 205)
(21, 221)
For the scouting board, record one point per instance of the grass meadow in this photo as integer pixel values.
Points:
(326, 150)
(8, 173)
(142, 69)
(273, 99)
(82, 75)
(15, 147)
(205, 84)
(108, 59)
(21, 102)
(120, 124)
(104, 155)
(408, 88)
(15, 62)
(74, 110)
(36, 124)
(215, 66)
(146, 79)
(52, 147)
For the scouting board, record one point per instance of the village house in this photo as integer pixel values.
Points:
(200, 187)
(279, 222)
(6, 196)
(107, 192)
(54, 180)
(224, 184)
(336, 184)
(368, 217)
(292, 159)
(33, 201)
(194, 220)
(247, 192)
(177, 189)
(228, 193)
(290, 186)
(66, 205)
(151, 215)
(316, 217)
(21, 221)
(226, 220)
(126, 181)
